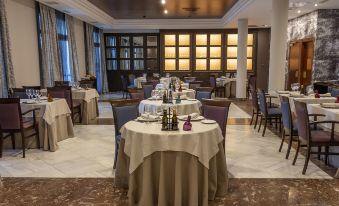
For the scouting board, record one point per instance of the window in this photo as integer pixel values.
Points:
(63, 46)
(208, 52)
(177, 52)
(132, 52)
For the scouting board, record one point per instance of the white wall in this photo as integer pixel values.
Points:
(23, 36)
(80, 42)
(21, 17)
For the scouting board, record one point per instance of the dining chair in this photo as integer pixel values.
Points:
(12, 121)
(194, 85)
(251, 83)
(218, 90)
(335, 92)
(255, 107)
(124, 86)
(289, 126)
(136, 94)
(189, 79)
(313, 138)
(148, 88)
(123, 111)
(217, 109)
(65, 92)
(61, 83)
(32, 87)
(18, 92)
(131, 78)
(203, 93)
(268, 113)
(86, 83)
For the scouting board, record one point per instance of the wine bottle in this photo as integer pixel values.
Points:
(170, 97)
(164, 120)
(174, 120)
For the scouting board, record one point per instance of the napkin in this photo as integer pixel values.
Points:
(194, 115)
(149, 117)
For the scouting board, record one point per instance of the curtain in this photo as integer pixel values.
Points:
(73, 54)
(7, 79)
(90, 58)
(104, 84)
(51, 67)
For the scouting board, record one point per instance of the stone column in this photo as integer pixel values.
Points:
(242, 58)
(276, 80)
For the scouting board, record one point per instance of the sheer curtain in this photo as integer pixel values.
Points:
(103, 71)
(72, 48)
(7, 79)
(90, 58)
(51, 67)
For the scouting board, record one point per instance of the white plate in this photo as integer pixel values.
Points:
(184, 118)
(208, 121)
(147, 120)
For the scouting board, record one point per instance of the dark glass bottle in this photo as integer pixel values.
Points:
(170, 97)
(164, 98)
(174, 120)
(164, 120)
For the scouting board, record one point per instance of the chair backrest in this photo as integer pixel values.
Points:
(64, 92)
(87, 83)
(302, 118)
(148, 88)
(131, 78)
(286, 112)
(194, 85)
(335, 92)
(252, 81)
(154, 82)
(213, 81)
(124, 83)
(189, 79)
(32, 87)
(19, 92)
(10, 110)
(203, 93)
(255, 100)
(123, 112)
(61, 83)
(262, 102)
(218, 111)
(136, 94)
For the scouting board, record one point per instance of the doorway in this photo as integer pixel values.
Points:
(300, 62)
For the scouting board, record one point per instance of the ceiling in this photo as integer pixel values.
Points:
(129, 15)
(154, 9)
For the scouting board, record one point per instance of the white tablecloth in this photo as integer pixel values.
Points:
(138, 81)
(141, 140)
(331, 114)
(189, 93)
(85, 95)
(184, 108)
(224, 81)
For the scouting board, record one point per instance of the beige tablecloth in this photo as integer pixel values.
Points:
(189, 93)
(186, 107)
(171, 168)
(331, 114)
(55, 124)
(89, 104)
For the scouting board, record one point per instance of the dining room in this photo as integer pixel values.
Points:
(169, 102)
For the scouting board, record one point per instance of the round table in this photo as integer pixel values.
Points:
(171, 160)
(186, 107)
(189, 93)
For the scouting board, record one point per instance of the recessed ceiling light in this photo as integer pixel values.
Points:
(315, 4)
(165, 11)
(299, 11)
(163, 2)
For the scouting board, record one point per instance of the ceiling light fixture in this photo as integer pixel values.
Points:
(163, 2)
(165, 11)
(315, 4)
(299, 11)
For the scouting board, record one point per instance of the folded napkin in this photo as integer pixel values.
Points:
(149, 117)
(194, 115)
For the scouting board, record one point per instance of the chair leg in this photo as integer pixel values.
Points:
(256, 120)
(319, 150)
(265, 125)
(296, 153)
(23, 144)
(282, 140)
(307, 159)
(13, 140)
(37, 135)
(326, 155)
(260, 123)
(1, 142)
(252, 117)
(289, 145)
(116, 155)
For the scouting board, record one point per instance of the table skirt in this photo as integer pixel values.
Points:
(50, 135)
(89, 110)
(172, 178)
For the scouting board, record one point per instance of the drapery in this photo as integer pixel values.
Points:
(51, 67)
(73, 53)
(7, 79)
(90, 58)
(103, 72)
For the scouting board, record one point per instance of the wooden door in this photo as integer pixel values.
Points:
(306, 63)
(294, 63)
